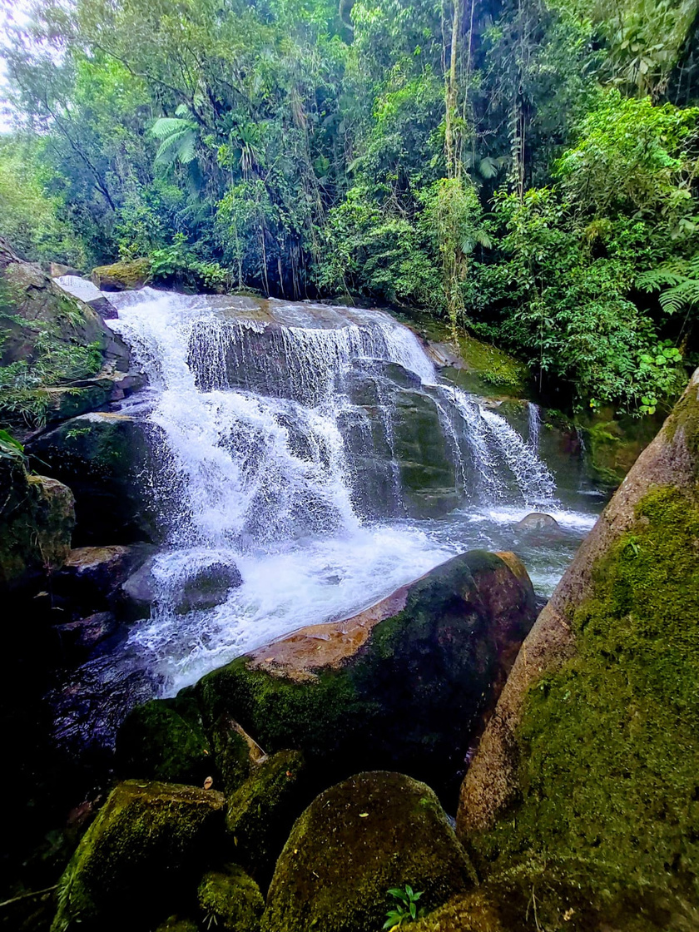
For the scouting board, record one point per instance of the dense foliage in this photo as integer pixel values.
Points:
(527, 168)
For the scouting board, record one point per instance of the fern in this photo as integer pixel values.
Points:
(681, 281)
(178, 137)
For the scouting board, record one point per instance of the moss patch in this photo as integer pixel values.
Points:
(164, 740)
(355, 842)
(133, 864)
(609, 820)
(122, 276)
(230, 901)
(261, 813)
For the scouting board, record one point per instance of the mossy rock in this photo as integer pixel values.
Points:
(136, 859)
(262, 811)
(37, 518)
(357, 840)
(477, 911)
(107, 460)
(122, 276)
(176, 924)
(165, 740)
(232, 750)
(54, 343)
(230, 900)
(403, 685)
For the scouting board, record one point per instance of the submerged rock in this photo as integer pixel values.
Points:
(230, 900)
(208, 587)
(537, 522)
(404, 684)
(586, 773)
(357, 840)
(136, 858)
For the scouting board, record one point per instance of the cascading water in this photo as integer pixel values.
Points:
(316, 449)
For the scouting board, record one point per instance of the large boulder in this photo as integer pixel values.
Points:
(355, 842)
(90, 577)
(37, 518)
(122, 276)
(136, 859)
(109, 460)
(54, 341)
(404, 684)
(586, 772)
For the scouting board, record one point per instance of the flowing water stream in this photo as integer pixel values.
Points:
(318, 450)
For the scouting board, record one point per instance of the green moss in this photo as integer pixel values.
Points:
(609, 816)
(164, 740)
(230, 901)
(356, 841)
(232, 753)
(135, 860)
(492, 364)
(122, 275)
(613, 444)
(262, 811)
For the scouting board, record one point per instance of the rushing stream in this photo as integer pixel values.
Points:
(318, 450)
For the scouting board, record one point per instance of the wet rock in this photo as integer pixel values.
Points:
(165, 741)
(230, 900)
(122, 276)
(208, 588)
(79, 638)
(91, 577)
(140, 591)
(109, 461)
(357, 840)
(262, 811)
(539, 525)
(137, 857)
(404, 684)
(236, 752)
(37, 518)
(56, 270)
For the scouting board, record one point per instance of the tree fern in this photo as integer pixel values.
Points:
(178, 137)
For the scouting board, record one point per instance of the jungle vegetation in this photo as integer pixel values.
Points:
(526, 169)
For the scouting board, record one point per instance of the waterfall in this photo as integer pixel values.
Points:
(534, 425)
(317, 449)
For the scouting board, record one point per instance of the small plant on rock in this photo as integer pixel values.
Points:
(405, 908)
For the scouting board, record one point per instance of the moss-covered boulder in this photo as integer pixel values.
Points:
(110, 462)
(122, 276)
(261, 812)
(37, 518)
(53, 346)
(165, 740)
(477, 911)
(584, 784)
(403, 685)
(136, 860)
(230, 900)
(177, 924)
(357, 840)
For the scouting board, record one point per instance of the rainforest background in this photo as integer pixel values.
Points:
(527, 170)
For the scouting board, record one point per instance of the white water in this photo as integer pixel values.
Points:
(265, 477)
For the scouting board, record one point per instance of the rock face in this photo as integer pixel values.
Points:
(57, 339)
(122, 276)
(374, 832)
(588, 763)
(131, 865)
(404, 684)
(107, 460)
(37, 518)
